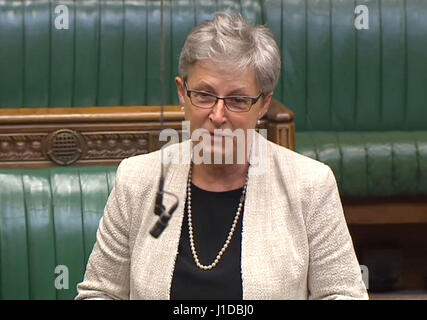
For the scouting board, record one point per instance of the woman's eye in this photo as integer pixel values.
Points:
(201, 94)
(239, 100)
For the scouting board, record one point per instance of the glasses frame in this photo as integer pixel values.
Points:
(254, 99)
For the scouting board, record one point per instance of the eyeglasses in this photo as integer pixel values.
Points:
(206, 100)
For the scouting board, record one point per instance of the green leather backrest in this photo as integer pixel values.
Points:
(338, 78)
(110, 55)
(49, 218)
(334, 76)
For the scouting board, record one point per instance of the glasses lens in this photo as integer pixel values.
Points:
(202, 100)
(238, 103)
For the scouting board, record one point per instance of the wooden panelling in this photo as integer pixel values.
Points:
(393, 210)
(46, 137)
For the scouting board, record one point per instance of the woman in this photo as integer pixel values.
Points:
(238, 233)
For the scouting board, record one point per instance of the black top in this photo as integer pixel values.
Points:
(213, 214)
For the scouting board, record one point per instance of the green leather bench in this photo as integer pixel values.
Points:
(351, 90)
(49, 218)
(358, 95)
(371, 163)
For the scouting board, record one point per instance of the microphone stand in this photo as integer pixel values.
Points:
(160, 209)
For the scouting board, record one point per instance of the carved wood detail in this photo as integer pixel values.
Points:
(38, 138)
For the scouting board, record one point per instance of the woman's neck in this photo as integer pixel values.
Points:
(219, 178)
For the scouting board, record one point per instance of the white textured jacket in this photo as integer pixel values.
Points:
(295, 241)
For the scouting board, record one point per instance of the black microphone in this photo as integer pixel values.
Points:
(163, 220)
(161, 211)
(160, 225)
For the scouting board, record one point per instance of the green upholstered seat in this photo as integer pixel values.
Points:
(49, 218)
(373, 163)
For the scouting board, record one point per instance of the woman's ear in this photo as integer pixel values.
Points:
(181, 89)
(265, 105)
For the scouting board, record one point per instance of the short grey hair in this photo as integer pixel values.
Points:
(230, 42)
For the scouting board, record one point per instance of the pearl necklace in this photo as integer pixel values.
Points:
(230, 234)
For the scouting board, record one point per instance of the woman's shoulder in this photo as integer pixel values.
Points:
(149, 164)
(295, 161)
(139, 164)
(305, 173)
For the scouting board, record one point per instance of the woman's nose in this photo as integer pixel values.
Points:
(217, 114)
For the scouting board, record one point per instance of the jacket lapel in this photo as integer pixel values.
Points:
(157, 261)
(256, 223)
